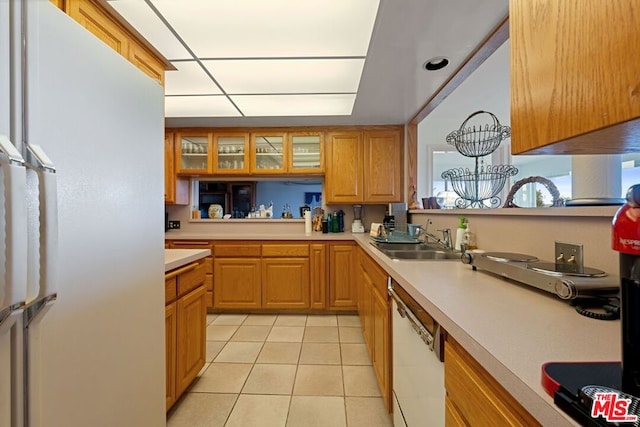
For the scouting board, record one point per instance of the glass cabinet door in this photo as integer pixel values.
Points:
(306, 153)
(193, 153)
(231, 153)
(268, 154)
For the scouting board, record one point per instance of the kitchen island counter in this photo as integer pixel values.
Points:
(176, 258)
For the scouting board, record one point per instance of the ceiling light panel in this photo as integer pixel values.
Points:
(295, 105)
(147, 23)
(189, 79)
(199, 106)
(274, 28)
(287, 75)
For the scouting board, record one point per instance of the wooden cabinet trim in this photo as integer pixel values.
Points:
(170, 289)
(285, 250)
(191, 279)
(318, 275)
(235, 250)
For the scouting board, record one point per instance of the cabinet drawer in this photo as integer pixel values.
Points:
(170, 290)
(191, 279)
(237, 250)
(477, 395)
(378, 275)
(208, 282)
(285, 250)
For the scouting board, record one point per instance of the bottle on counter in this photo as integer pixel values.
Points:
(462, 228)
(340, 221)
(469, 239)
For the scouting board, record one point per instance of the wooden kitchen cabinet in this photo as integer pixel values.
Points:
(191, 313)
(344, 175)
(285, 283)
(176, 190)
(383, 172)
(582, 96)
(170, 325)
(380, 314)
(365, 289)
(318, 275)
(237, 283)
(99, 21)
(285, 275)
(185, 327)
(305, 152)
(343, 292)
(374, 309)
(474, 397)
(193, 153)
(207, 262)
(231, 153)
(364, 167)
(268, 153)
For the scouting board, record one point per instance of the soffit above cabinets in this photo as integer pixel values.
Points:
(301, 62)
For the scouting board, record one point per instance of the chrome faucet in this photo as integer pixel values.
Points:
(445, 242)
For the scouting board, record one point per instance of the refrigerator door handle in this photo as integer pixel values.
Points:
(47, 184)
(13, 287)
(36, 308)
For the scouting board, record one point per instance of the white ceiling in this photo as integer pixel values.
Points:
(391, 89)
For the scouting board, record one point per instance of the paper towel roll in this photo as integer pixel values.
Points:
(307, 222)
(596, 176)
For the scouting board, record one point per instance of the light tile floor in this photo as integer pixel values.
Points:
(283, 370)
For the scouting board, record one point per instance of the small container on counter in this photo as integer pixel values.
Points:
(325, 226)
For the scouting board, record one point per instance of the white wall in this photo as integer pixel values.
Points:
(534, 231)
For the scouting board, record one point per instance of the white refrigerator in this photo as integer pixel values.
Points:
(81, 258)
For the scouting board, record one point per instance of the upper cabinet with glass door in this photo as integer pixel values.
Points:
(306, 153)
(268, 153)
(193, 153)
(231, 153)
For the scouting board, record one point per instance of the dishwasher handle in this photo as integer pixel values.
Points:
(405, 312)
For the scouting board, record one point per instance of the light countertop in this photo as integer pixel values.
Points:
(176, 258)
(510, 329)
(177, 235)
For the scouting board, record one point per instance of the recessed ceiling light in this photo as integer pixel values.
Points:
(437, 63)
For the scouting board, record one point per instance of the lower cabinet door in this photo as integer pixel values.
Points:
(236, 283)
(285, 283)
(170, 324)
(381, 348)
(342, 276)
(191, 337)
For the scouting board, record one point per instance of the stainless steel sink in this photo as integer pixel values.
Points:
(418, 246)
(415, 251)
(422, 255)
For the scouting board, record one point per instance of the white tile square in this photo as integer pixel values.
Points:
(220, 332)
(239, 352)
(259, 410)
(229, 319)
(286, 334)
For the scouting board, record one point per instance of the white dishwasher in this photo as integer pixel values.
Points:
(418, 371)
